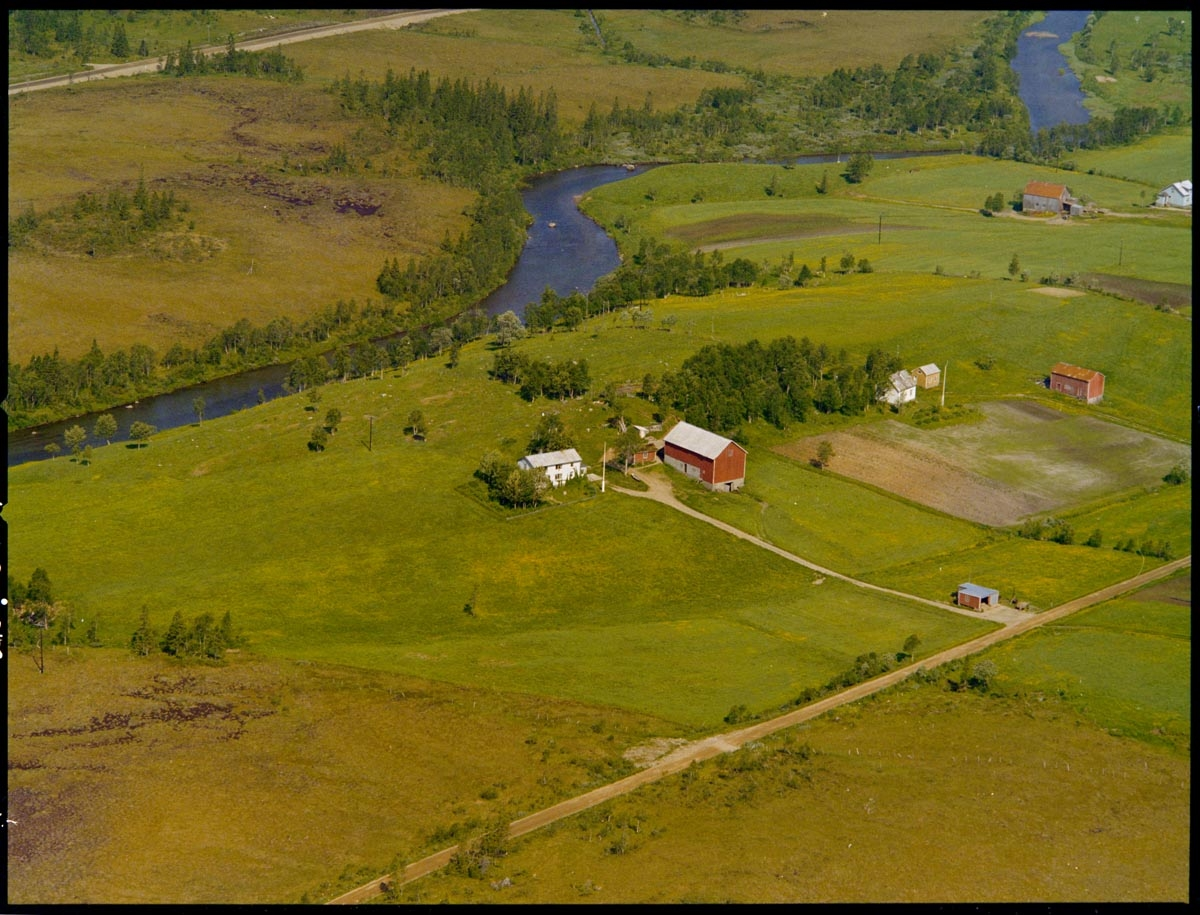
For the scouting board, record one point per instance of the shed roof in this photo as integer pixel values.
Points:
(930, 369)
(902, 380)
(553, 458)
(1073, 371)
(977, 590)
(1184, 187)
(1046, 189)
(699, 441)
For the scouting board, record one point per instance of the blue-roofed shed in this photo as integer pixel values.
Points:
(976, 596)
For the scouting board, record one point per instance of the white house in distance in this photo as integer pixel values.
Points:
(559, 466)
(1178, 194)
(901, 388)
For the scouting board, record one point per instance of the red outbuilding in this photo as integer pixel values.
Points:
(1083, 384)
(718, 463)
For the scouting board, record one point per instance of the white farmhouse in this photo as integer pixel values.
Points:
(1178, 194)
(559, 466)
(901, 388)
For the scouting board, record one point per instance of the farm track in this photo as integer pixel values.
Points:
(1014, 623)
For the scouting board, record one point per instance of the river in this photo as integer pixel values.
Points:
(1049, 89)
(565, 250)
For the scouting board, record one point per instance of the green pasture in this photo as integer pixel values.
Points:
(910, 215)
(1126, 663)
(368, 557)
(1160, 513)
(833, 522)
(1155, 162)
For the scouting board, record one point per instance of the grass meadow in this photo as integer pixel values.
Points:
(1074, 813)
(274, 241)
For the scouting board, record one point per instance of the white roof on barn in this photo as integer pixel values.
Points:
(698, 441)
(553, 458)
(930, 369)
(978, 590)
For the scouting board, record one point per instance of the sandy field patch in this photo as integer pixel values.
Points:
(1057, 292)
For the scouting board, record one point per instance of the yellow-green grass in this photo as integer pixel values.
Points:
(539, 50)
(1161, 513)
(1155, 162)
(909, 215)
(796, 42)
(368, 557)
(262, 781)
(280, 246)
(916, 796)
(1125, 664)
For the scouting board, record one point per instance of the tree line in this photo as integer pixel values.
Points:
(269, 64)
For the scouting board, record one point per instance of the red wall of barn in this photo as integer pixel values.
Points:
(730, 464)
(690, 457)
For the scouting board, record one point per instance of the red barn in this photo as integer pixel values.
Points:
(718, 463)
(1083, 384)
(977, 597)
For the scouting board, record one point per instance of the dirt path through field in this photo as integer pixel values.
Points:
(1015, 623)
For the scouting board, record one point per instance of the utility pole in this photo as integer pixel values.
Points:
(879, 238)
(603, 466)
(370, 431)
(945, 372)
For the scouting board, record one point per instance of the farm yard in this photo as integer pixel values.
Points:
(1018, 460)
(413, 662)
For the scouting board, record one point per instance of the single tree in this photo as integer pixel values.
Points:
(823, 186)
(174, 639)
(859, 167)
(550, 435)
(52, 449)
(911, 644)
(85, 456)
(628, 444)
(333, 418)
(120, 42)
(106, 427)
(74, 438)
(198, 407)
(319, 439)
(141, 431)
(416, 424)
(847, 262)
(144, 638)
(1014, 266)
(824, 453)
(509, 328)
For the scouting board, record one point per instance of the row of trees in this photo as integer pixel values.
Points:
(203, 636)
(724, 385)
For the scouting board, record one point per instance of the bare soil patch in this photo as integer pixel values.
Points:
(1022, 459)
(1057, 292)
(920, 475)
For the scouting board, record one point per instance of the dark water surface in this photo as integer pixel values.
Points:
(1048, 88)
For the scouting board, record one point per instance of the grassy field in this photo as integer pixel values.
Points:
(1075, 814)
(911, 215)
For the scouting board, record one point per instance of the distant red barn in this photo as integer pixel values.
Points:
(718, 463)
(1082, 384)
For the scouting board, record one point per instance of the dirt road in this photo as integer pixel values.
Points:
(709, 747)
(108, 71)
